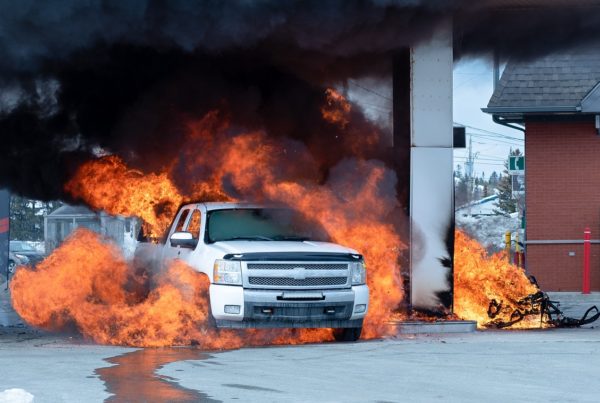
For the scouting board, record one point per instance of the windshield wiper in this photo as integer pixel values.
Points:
(291, 238)
(249, 238)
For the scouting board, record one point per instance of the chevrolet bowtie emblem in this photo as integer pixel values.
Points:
(299, 273)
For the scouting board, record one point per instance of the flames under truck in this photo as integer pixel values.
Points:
(268, 268)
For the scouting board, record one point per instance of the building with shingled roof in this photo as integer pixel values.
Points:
(59, 224)
(555, 100)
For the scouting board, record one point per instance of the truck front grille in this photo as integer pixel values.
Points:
(290, 282)
(292, 266)
(296, 275)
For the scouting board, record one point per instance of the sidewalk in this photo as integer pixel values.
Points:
(8, 316)
(574, 304)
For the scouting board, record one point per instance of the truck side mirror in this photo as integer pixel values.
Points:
(183, 239)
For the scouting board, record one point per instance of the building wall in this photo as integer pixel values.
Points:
(562, 198)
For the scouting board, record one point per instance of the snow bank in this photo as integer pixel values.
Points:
(15, 396)
(489, 230)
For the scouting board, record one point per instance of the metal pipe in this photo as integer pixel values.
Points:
(587, 236)
(498, 120)
(517, 250)
(531, 109)
(507, 242)
(560, 242)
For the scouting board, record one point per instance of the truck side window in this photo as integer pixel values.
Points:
(194, 224)
(182, 218)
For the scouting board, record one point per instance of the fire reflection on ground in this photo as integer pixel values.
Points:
(134, 378)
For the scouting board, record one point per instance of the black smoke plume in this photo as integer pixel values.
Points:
(125, 76)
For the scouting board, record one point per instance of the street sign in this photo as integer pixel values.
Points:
(518, 185)
(516, 164)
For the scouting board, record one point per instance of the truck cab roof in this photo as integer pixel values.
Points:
(209, 206)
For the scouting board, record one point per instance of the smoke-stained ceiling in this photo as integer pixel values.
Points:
(125, 76)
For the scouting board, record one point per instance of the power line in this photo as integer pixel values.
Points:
(497, 140)
(368, 90)
(486, 163)
(492, 137)
(505, 136)
(367, 105)
(493, 157)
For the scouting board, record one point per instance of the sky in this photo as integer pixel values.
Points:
(473, 87)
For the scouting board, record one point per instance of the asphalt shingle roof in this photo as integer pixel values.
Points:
(68, 210)
(559, 80)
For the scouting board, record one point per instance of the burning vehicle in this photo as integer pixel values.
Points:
(266, 269)
(135, 121)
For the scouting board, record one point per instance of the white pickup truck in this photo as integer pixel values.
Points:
(267, 268)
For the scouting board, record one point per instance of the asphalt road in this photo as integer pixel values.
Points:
(544, 366)
(558, 365)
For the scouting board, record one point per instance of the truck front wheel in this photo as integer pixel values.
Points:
(347, 334)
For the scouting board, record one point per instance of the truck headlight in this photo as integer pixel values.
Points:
(359, 273)
(227, 272)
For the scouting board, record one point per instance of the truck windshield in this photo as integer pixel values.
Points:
(261, 224)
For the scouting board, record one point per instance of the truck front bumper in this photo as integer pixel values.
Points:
(236, 307)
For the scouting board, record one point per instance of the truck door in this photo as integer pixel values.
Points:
(194, 227)
(174, 252)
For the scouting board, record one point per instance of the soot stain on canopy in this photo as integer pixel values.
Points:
(123, 76)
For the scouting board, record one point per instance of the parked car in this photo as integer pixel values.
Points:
(16, 259)
(24, 249)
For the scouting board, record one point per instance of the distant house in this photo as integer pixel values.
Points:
(482, 207)
(59, 224)
(556, 100)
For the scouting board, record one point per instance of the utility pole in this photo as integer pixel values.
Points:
(469, 172)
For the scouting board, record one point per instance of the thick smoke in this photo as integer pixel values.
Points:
(126, 76)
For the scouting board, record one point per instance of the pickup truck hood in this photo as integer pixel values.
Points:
(234, 247)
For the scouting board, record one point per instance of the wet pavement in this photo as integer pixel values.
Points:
(551, 365)
(8, 317)
(134, 377)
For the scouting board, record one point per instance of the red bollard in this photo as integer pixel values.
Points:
(587, 236)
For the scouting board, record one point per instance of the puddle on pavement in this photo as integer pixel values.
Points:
(134, 378)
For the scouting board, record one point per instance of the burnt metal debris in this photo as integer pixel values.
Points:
(540, 304)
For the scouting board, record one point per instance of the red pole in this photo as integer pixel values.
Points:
(587, 236)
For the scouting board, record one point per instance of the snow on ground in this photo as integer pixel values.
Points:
(481, 222)
(15, 395)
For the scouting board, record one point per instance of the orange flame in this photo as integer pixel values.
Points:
(479, 278)
(336, 109)
(87, 284)
(108, 184)
(354, 206)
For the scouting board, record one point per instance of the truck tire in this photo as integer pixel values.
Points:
(347, 334)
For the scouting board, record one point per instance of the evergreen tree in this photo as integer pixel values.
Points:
(493, 182)
(461, 188)
(506, 203)
(27, 218)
